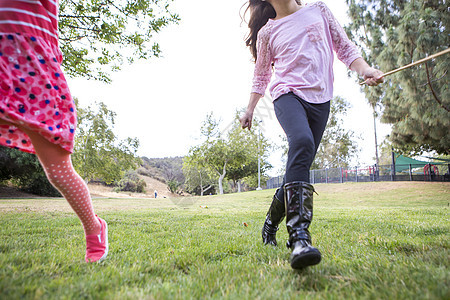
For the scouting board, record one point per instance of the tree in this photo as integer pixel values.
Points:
(196, 172)
(222, 155)
(98, 154)
(416, 101)
(338, 145)
(95, 34)
(385, 153)
(212, 154)
(217, 156)
(173, 186)
(246, 147)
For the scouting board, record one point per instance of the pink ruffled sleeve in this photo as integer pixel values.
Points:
(263, 67)
(346, 50)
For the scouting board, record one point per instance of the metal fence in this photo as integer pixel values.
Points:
(411, 172)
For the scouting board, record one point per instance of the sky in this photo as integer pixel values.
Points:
(205, 67)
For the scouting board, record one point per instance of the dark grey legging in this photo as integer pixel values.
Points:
(304, 124)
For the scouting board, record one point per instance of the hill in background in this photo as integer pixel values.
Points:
(163, 169)
(156, 172)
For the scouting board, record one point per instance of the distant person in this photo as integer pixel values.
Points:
(37, 112)
(156, 194)
(295, 41)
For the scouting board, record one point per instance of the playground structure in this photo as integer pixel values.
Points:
(394, 172)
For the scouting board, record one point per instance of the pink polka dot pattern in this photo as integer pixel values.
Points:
(63, 177)
(34, 93)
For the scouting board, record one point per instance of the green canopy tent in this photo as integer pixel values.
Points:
(403, 163)
(445, 160)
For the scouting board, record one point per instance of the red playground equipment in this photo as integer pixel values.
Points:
(430, 170)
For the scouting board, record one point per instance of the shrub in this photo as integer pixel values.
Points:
(24, 171)
(173, 185)
(131, 183)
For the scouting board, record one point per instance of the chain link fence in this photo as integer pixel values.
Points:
(411, 172)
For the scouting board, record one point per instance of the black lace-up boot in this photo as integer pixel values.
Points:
(274, 217)
(299, 213)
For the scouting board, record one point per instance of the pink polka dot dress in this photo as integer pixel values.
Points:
(33, 91)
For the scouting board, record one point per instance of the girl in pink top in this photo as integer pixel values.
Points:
(294, 43)
(37, 112)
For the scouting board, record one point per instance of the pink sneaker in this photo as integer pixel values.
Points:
(97, 245)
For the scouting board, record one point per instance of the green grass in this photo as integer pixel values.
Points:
(378, 241)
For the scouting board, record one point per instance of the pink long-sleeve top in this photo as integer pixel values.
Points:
(300, 47)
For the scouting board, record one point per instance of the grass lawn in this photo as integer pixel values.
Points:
(378, 241)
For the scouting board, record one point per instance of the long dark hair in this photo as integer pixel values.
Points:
(260, 13)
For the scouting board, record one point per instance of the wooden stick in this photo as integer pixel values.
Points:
(413, 64)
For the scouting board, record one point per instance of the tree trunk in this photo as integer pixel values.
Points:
(239, 186)
(201, 185)
(209, 187)
(221, 177)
